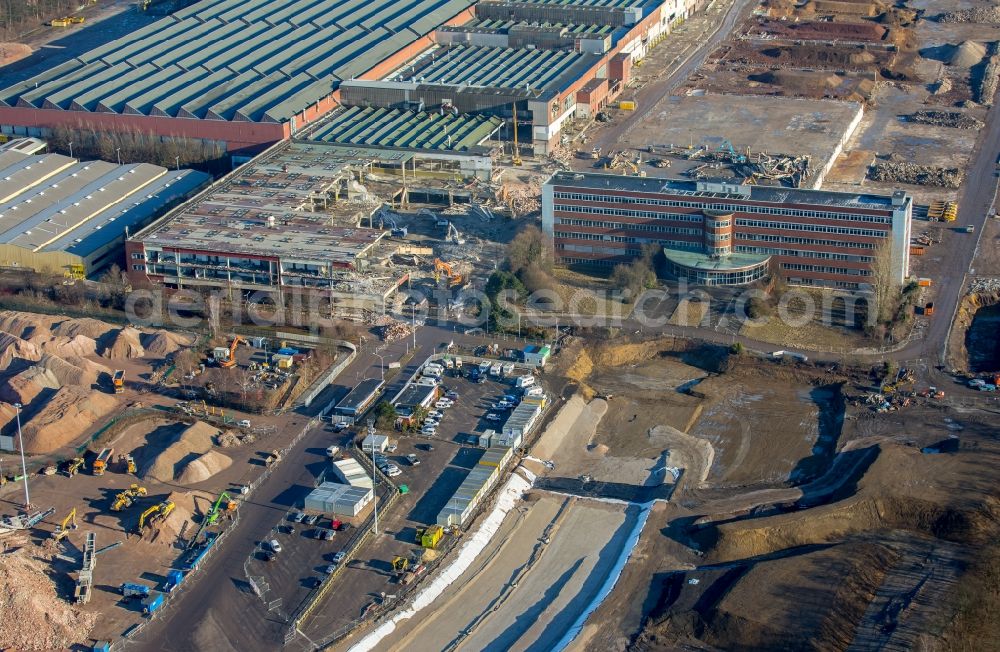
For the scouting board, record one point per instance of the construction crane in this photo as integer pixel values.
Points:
(454, 279)
(63, 529)
(155, 514)
(231, 360)
(127, 498)
(119, 381)
(516, 158)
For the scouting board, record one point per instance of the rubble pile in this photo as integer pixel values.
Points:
(394, 330)
(976, 15)
(988, 84)
(955, 119)
(233, 439)
(941, 86)
(984, 285)
(918, 175)
(34, 616)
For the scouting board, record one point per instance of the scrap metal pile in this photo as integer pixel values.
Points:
(749, 167)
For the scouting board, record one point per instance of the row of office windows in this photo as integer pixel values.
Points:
(784, 239)
(624, 212)
(818, 228)
(843, 271)
(735, 208)
(825, 255)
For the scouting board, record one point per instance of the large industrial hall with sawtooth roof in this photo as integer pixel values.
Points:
(396, 128)
(246, 72)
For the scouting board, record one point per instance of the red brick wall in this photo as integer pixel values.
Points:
(241, 137)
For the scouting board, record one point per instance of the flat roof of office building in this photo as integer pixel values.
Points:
(265, 208)
(397, 128)
(479, 66)
(723, 190)
(242, 60)
(51, 202)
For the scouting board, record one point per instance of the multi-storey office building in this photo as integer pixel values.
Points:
(724, 233)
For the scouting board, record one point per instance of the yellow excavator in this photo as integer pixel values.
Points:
(69, 523)
(73, 466)
(154, 515)
(127, 498)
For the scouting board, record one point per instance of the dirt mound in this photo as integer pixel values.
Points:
(124, 344)
(204, 467)
(168, 465)
(74, 370)
(162, 343)
(12, 346)
(25, 386)
(79, 345)
(25, 324)
(34, 616)
(67, 413)
(95, 329)
(967, 54)
(186, 505)
(693, 454)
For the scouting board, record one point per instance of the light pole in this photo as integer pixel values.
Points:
(371, 435)
(177, 163)
(381, 362)
(118, 153)
(24, 466)
(71, 149)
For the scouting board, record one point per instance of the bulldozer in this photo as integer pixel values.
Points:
(63, 529)
(127, 498)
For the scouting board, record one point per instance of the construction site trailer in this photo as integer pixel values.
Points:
(377, 443)
(339, 499)
(348, 471)
(361, 397)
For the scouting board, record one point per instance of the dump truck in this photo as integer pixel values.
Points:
(100, 464)
(929, 309)
(118, 380)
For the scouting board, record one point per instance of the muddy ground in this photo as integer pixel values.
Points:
(801, 521)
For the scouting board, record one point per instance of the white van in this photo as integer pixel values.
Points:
(524, 381)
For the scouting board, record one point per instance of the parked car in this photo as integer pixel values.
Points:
(297, 517)
(425, 447)
(274, 545)
(452, 396)
(333, 451)
(392, 448)
(329, 569)
(339, 557)
(311, 519)
(413, 459)
(244, 423)
(434, 414)
(493, 417)
(328, 535)
(314, 582)
(393, 471)
(340, 426)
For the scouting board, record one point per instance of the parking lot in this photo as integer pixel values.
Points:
(430, 485)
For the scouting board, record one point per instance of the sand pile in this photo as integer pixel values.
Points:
(25, 386)
(12, 346)
(11, 52)
(195, 441)
(124, 344)
(25, 324)
(966, 55)
(204, 467)
(67, 413)
(162, 343)
(73, 370)
(80, 345)
(95, 329)
(34, 617)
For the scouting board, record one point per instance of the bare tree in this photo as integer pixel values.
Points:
(529, 247)
(885, 287)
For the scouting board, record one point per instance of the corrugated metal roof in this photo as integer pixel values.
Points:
(407, 129)
(307, 44)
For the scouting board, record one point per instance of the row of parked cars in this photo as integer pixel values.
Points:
(430, 425)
